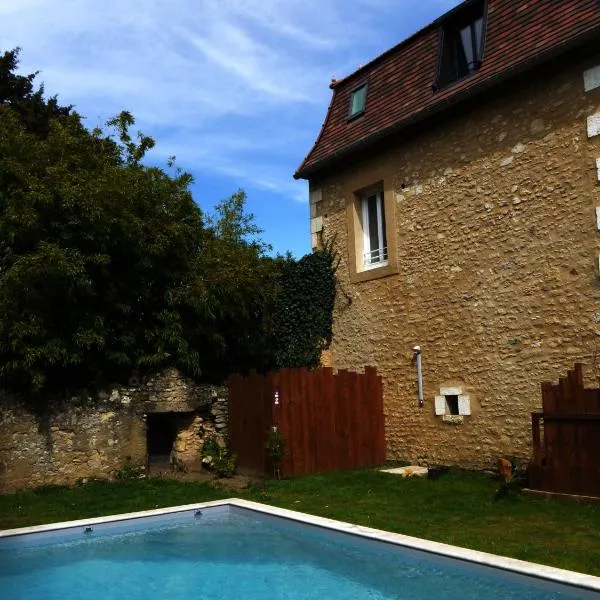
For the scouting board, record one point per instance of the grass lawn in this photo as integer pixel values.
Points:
(459, 508)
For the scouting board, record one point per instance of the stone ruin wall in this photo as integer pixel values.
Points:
(97, 437)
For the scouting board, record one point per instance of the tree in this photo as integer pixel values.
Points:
(96, 250)
(18, 93)
(242, 282)
(108, 266)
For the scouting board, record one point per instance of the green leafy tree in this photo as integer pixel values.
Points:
(242, 282)
(18, 93)
(108, 266)
(96, 253)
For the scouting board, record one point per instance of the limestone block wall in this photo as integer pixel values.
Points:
(96, 437)
(495, 277)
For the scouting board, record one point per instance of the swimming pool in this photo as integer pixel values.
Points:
(236, 549)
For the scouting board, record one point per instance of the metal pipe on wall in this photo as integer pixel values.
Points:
(417, 353)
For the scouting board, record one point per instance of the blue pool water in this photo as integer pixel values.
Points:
(238, 554)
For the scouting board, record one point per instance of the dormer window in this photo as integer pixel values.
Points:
(358, 100)
(462, 43)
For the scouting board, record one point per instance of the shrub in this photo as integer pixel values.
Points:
(275, 446)
(130, 471)
(217, 458)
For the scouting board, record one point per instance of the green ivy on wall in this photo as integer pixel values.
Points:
(303, 316)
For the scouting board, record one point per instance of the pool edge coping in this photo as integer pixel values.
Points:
(514, 565)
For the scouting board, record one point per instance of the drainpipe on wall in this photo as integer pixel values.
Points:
(417, 353)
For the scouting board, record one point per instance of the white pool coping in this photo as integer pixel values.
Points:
(560, 576)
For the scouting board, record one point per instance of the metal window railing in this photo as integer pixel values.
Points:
(376, 256)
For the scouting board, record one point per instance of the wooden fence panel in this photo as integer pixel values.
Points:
(341, 447)
(319, 439)
(312, 436)
(329, 426)
(330, 422)
(355, 453)
(566, 438)
(250, 416)
(378, 419)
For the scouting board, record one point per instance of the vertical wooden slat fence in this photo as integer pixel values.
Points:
(330, 422)
(566, 438)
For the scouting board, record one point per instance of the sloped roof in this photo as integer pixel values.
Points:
(520, 34)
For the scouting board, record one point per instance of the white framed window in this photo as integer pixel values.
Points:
(372, 216)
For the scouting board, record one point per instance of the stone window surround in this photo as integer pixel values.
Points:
(442, 408)
(353, 190)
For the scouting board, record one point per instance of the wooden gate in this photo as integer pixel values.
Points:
(566, 438)
(330, 422)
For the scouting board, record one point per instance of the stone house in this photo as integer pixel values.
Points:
(457, 177)
(139, 425)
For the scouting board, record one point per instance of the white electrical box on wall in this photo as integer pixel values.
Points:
(591, 78)
(440, 405)
(464, 405)
(593, 125)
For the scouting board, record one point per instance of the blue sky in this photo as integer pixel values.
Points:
(235, 89)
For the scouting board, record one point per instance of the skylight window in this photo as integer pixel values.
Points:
(358, 100)
(462, 44)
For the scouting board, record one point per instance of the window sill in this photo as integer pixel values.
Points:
(374, 272)
(453, 419)
(379, 265)
(355, 117)
(436, 87)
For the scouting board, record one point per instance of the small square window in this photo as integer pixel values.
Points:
(372, 216)
(452, 402)
(358, 100)
(462, 44)
(451, 405)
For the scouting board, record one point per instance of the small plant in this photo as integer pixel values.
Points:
(511, 478)
(224, 464)
(210, 449)
(275, 450)
(217, 458)
(130, 471)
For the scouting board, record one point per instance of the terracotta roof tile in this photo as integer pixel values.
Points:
(400, 80)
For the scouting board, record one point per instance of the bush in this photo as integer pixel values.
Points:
(217, 458)
(130, 471)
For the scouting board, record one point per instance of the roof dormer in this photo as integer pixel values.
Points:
(462, 43)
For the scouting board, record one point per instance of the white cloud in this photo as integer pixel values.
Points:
(234, 87)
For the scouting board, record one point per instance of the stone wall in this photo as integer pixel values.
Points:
(96, 437)
(494, 270)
